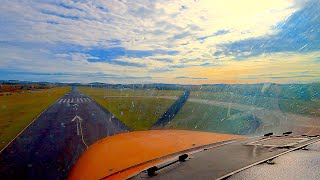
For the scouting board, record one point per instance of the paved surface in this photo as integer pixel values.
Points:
(171, 112)
(49, 147)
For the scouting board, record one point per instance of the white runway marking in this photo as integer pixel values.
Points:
(79, 128)
(75, 100)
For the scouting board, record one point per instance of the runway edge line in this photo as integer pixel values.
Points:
(31, 123)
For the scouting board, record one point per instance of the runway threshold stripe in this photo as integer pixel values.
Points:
(75, 100)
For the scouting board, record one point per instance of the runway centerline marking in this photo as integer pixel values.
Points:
(79, 128)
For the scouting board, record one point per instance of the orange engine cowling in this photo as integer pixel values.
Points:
(123, 155)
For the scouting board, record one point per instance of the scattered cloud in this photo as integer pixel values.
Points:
(218, 33)
(186, 77)
(207, 41)
(163, 60)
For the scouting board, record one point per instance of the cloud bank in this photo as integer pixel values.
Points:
(141, 41)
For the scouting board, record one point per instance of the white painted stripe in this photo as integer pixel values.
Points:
(60, 101)
(84, 99)
(72, 100)
(77, 100)
(80, 99)
(89, 99)
(65, 100)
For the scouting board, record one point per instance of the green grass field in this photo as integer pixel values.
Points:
(128, 92)
(202, 117)
(138, 113)
(19, 109)
(309, 108)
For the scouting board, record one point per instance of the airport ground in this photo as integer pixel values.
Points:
(75, 119)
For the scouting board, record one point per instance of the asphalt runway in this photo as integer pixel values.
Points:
(171, 112)
(49, 147)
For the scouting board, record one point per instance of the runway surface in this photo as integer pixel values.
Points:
(49, 147)
(171, 112)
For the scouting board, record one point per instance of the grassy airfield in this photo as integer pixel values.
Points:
(242, 110)
(101, 92)
(138, 109)
(296, 106)
(203, 117)
(18, 109)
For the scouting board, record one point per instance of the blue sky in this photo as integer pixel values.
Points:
(141, 41)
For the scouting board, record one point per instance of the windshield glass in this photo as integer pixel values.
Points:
(75, 72)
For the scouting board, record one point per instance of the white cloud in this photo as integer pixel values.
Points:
(139, 25)
(136, 22)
